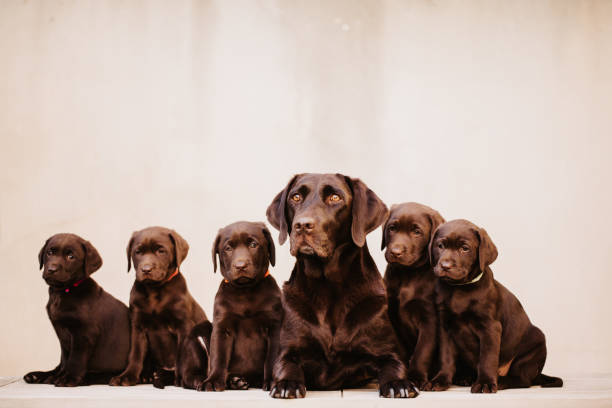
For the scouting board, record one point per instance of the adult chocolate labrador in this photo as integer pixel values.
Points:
(162, 310)
(248, 309)
(336, 331)
(483, 327)
(92, 326)
(410, 284)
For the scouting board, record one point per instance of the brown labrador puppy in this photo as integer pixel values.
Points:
(336, 331)
(483, 326)
(92, 326)
(162, 310)
(410, 284)
(248, 308)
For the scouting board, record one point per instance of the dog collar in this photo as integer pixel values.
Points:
(74, 285)
(476, 279)
(265, 276)
(176, 271)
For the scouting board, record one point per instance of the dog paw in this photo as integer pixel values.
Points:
(398, 389)
(235, 382)
(437, 384)
(463, 381)
(417, 378)
(36, 377)
(123, 380)
(67, 380)
(265, 386)
(212, 384)
(484, 387)
(288, 390)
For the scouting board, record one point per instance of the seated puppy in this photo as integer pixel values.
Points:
(248, 309)
(483, 327)
(163, 312)
(411, 283)
(92, 326)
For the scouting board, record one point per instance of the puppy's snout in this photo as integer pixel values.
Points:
(51, 269)
(146, 268)
(446, 264)
(304, 224)
(240, 264)
(396, 251)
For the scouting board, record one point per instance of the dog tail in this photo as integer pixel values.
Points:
(546, 381)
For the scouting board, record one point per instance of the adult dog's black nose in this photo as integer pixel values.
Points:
(304, 224)
(396, 251)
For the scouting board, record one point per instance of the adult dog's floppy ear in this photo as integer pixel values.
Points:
(430, 246)
(276, 212)
(368, 210)
(487, 251)
(93, 260)
(181, 247)
(215, 251)
(41, 254)
(271, 250)
(129, 250)
(383, 244)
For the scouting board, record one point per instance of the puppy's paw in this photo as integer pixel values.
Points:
(417, 378)
(212, 384)
(265, 386)
(484, 387)
(235, 382)
(37, 377)
(398, 389)
(124, 380)
(439, 383)
(288, 389)
(67, 380)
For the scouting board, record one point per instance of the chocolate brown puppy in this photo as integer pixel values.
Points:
(410, 284)
(163, 312)
(483, 327)
(336, 332)
(248, 309)
(92, 326)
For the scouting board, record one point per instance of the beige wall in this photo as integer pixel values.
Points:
(116, 115)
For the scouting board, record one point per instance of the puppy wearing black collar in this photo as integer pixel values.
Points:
(483, 327)
(247, 311)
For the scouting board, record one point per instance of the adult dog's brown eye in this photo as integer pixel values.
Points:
(296, 197)
(334, 198)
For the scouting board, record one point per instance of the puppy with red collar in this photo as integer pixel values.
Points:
(247, 311)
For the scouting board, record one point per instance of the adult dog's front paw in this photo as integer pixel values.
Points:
(212, 384)
(124, 380)
(398, 389)
(484, 387)
(68, 380)
(288, 389)
(438, 383)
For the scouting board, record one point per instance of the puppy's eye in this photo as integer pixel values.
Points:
(296, 197)
(465, 248)
(417, 231)
(253, 244)
(161, 250)
(334, 198)
(228, 248)
(392, 227)
(70, 256)
(138, 251)
(440, 245)
(50, 252)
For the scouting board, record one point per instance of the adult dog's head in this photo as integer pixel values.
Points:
(320, 212)
(157, 252)
(67, 258)
(407, 232)
(459, 251)
(245, 250)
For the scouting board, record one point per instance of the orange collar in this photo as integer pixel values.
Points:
(265, 276)
(173, 275)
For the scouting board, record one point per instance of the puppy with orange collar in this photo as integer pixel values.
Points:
(247, 311)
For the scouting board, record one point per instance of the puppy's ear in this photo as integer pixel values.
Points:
(277, 214)
(41, 254)
(215, 251)
(181, 247)
(383, 244)
(93, 260)
(430, 246)
(129, 250)
(436, 220)
(487, 251)
(271, 250)
(368, 210)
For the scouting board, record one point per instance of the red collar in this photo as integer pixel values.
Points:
(74, 285)
(265, 276)
(176, 271)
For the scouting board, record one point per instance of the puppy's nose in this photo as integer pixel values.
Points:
(446, 264)
(304, 224)
(52, 268)
(240, 264)
(397, 251)
(146, 268)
